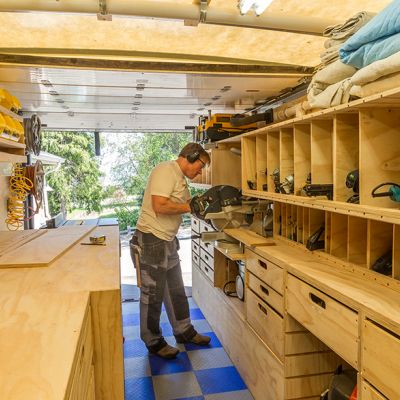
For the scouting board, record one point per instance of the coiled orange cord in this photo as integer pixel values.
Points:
(20, 186)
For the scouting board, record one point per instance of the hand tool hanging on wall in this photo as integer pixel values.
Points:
(393, 191)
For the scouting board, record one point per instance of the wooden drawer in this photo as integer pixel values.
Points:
(195, 248)
(332, 322)
(196, 259)
(265, 270)
(369, 393)
(380, 359)
(204, 256)
(204, 227)
(266, 322)
(269, 295)
(208, 247)
(207, 270)
(195, 239)
(195, 223)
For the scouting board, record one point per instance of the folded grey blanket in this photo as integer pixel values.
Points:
(349, 27)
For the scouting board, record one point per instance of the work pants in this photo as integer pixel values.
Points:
(162, 281)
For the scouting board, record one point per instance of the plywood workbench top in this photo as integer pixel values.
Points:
(81, 268)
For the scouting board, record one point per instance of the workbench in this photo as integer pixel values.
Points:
(61, 324)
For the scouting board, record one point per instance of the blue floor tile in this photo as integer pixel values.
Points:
(191, 398)
(161, 366)
(217, 380)
(131, 319)
(195, 313)
(213, 344)
(139, 389)
(134, 348)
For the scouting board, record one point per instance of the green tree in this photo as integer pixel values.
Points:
(139, 154)
(77, 182)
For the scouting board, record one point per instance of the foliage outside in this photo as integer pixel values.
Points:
(77, 183)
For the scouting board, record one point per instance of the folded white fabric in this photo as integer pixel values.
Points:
(333, 95)
(380, 85)
(330, 55)
(332, 73)
(349, 27)
(333, 42)
(377, 69)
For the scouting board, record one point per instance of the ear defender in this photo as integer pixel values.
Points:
(193, 157)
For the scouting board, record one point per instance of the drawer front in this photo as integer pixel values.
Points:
(369, 393)
(204, 256)
(208, 247)
(207, 270)
(381, 361)
(195, 248)
(204, 227)
(330, 321)
(195, 223)
(269, 295)
(196, 259)
(195, 239)
(266, 322)
(265, 270)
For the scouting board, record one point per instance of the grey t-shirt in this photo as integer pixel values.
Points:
(167, 180)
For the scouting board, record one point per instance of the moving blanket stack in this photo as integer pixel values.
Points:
(369, 58)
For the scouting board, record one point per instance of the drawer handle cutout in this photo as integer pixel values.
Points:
(206, 269)
(262, 264)
(317, 300)
(263, 309)
(264, 290)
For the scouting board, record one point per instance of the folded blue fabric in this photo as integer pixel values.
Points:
(379, 38)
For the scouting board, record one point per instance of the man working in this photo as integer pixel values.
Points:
(166, 197)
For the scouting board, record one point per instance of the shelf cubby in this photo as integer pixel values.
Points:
(379, 153)
(277, 227)
(339, 234)
(345, 153)
(357, 241)
(272, 157)
(380, 240)
(316, 220)
(396, 251)
(328, 231)
(249, 163)
(261, 162)
(306, 224)
(321, 151)
(284, 208)
(286, 163)
(301, 155)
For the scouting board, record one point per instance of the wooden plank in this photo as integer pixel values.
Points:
(39, 335)
(259, 368)
(13, 158)
(302, 155)
(10, 240)
(396, 252)
(44, 250)
(345, 153)
(261, 161)
(249, 238)
(225, 168)
(249, 163)
(311, 364)
(324, 316)
(306, 386)
(10, 144)
(322, 151)
(370, 393)
(272, 157)
(302, 342)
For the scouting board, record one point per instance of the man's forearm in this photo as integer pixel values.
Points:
(169, 207)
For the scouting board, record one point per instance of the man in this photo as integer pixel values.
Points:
(166, 198)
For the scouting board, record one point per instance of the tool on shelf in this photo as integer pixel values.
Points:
(318, 189)
(276, 179)
(353, 182)
(393, 191)
(383, 264)
(314, 242)
(287, 186)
